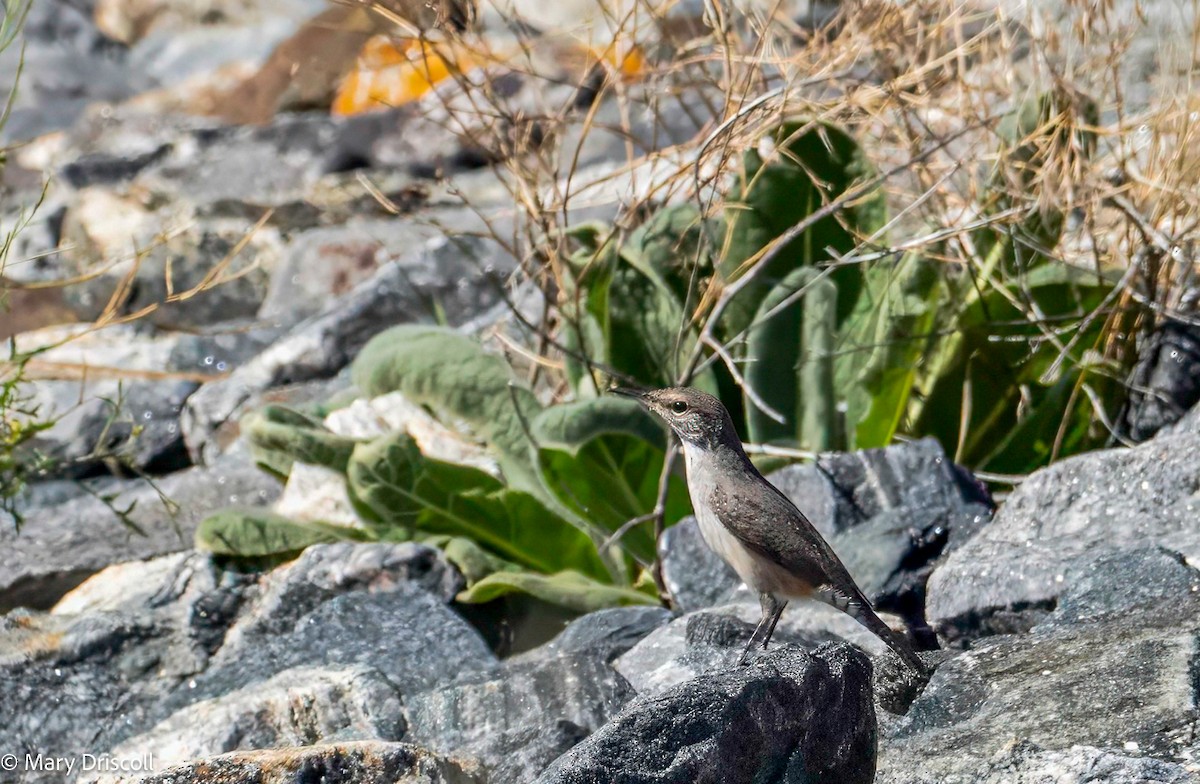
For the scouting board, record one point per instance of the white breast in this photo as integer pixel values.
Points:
(716, 535)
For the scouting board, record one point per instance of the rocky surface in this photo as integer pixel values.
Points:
(239, 244)
(794, 716)
(1113, 666)
(364, 762)
(58, 545)
(1058, 521)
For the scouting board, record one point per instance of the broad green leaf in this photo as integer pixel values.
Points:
(453, 376)
(469, 558)
(816, 163)
(602, 459)
(408, 491)
(882, 345)
(255, 532)
(568, 589)
(279, 436)
(789, 356)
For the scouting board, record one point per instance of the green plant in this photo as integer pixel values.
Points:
(547, 540)
(817, 350)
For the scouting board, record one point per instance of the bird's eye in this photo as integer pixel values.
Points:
(679, 406)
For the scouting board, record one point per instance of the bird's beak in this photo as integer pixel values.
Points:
(636, 394)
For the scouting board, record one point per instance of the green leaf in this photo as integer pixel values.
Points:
(567, 589)
(601, 459)
(474, 562)
(789, 353)
(816, 163)
(884, 341)
(992, 371)
(279, 436)
(453, 376)
(257, 532)
(406, 490)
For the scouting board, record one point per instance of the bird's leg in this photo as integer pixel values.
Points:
(772, 608)
(753, 638)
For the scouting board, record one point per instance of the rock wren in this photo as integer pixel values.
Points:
(754, 527)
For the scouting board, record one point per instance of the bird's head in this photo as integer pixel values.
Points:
(697, 417)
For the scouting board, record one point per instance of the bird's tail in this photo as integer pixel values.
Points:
(859, 609)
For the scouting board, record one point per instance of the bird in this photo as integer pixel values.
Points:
(753, 526)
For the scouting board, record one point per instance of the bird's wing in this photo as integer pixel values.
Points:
(765, 521)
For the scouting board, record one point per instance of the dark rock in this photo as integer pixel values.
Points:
(426, 644)
(59, 546)
(1115, 585)
(489, 716)
(1166, 380)
(221, 350)
(136, 430)
(519, 718)
(323, 572)
(364, 762)
(792, 716)
(1010, 575)
(607, 634)
(319, 347)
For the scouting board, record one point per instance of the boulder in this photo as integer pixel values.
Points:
(297, 707)
(1111, 668)
(183, 658)
(59, 546)
(517, 719)
(792, 716)
(1010, 575)
(363, 762)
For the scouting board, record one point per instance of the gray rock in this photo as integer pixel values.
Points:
(363, 762)
(426, 644)
(1111, 668)
(705, 642)
(76, 683)
(297, 707)
(159, 649)
(322, 345)
(59, 546)
(323, 572)
(1012, 573)
(792, 716)
(325, 263)
(1025, 763)
(1115, 585)
(68, 65)
(136, 429)
(518, 718)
